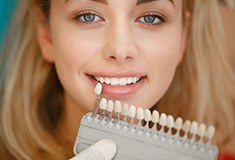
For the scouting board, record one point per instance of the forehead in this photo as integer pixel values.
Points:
(137, 3)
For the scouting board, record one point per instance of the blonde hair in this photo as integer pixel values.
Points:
(32, 97)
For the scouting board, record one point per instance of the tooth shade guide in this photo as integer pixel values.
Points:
(164, 124)
(165, 128)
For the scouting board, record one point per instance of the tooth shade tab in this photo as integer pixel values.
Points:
(147, 115)
(170, 121)
(117, 106)
(140, 113)
(110, 106)
(202, 130)
(178, 123)
(155, 116)
(163, 119)
(194, 127)
(125, 109)
(132, 111)
(210, 132)
(98, 89)
(103, 104)
(186, 126)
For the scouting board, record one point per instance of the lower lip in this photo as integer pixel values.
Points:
(117, 90)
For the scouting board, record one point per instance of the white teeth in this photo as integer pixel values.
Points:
(129, 80)
(122, 81)
(114, 81)
(101, 80)
(98, 89)
(107, 81)
(118, 81)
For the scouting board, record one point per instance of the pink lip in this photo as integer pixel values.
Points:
(119, 91)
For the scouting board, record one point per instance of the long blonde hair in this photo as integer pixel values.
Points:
(32, 97)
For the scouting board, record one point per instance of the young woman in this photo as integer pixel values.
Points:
(57, 50)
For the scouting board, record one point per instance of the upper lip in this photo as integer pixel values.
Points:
(117, 74)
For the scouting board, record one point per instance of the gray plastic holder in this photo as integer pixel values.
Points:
(139, 143)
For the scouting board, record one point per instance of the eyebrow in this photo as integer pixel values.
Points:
(139, 2)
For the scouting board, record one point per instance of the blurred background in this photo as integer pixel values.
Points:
(6, 8)
(228, 17)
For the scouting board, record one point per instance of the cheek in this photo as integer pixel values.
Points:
(163, 54)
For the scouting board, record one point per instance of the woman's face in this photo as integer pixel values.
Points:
(132, 47)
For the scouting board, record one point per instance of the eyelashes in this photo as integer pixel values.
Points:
(151, 18)
(91, 17)
(88, 17)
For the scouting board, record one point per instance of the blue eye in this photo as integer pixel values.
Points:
(151, 19)
(88, 17)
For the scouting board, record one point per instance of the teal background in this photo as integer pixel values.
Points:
(6, 9)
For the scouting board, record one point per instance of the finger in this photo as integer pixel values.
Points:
(104, 149)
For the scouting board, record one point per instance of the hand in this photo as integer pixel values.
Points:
(104, 149)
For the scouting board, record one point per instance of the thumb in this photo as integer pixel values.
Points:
(104, 149)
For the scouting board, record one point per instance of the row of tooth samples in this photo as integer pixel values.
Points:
(159, 123)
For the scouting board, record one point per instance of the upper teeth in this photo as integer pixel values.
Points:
(118, 81)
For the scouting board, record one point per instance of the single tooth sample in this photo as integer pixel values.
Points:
(201, 132)
(117, 108)
(210, 134)
(103, 106)
(98, 89)
(185, 128)
(178, 126)
(140, 115)
(155, 119)
(125, 110)
(132, 113)
(193, 130)
(147, 117)
(110, 108)
(170, 125)
(162, 122)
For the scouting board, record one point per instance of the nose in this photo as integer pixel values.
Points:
(119, 44)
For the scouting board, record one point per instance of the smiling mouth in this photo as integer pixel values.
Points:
(122, 81)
